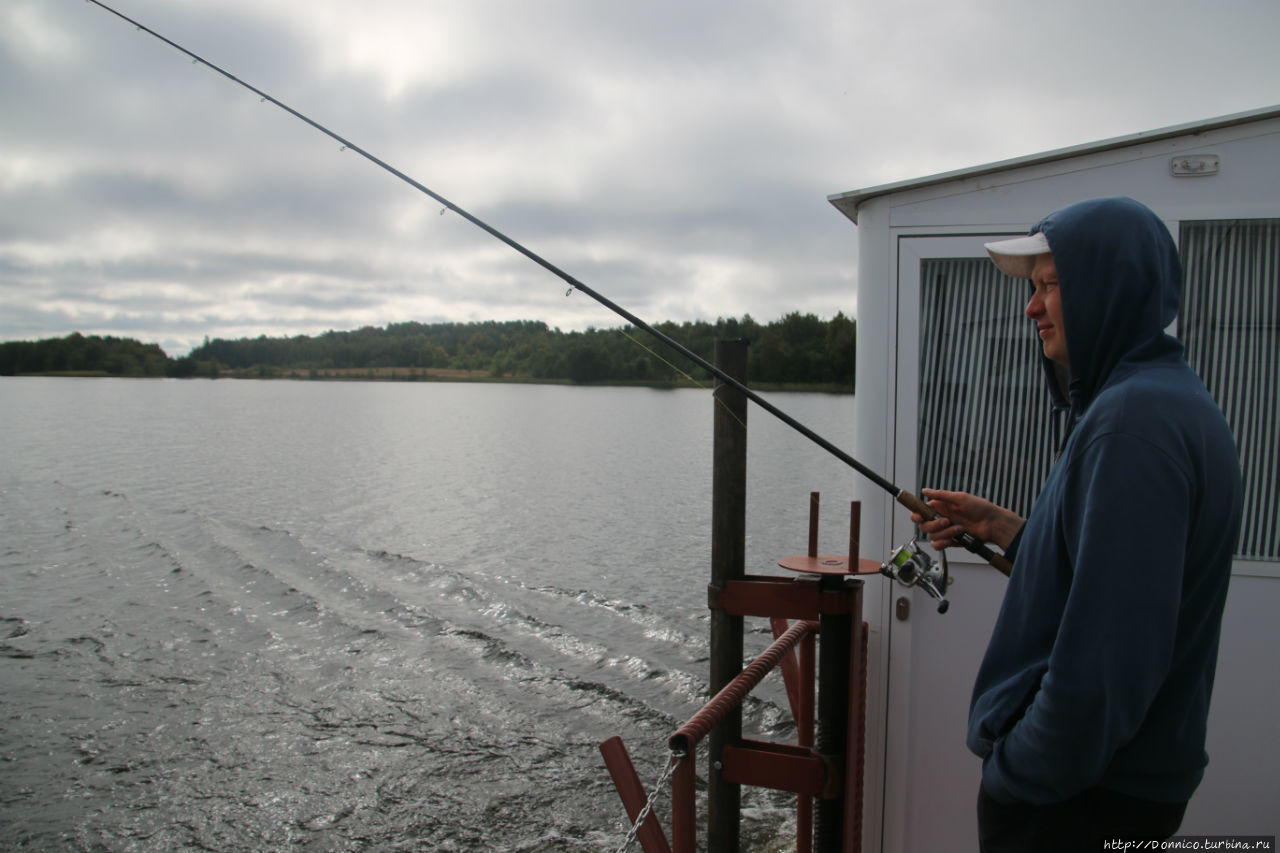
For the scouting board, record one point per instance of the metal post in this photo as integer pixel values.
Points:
(814, 501)
(855, 534)
(856, 745)
(804, 737)
(833, 707)
(728, 562)
(684, 813)
(857, 732)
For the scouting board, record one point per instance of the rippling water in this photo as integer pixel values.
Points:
(244, 615)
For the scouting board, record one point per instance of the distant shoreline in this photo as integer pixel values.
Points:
(799, 351)
(437, 374)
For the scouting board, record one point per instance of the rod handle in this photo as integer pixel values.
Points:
(919, 507)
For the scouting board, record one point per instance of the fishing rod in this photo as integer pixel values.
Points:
(902, 496)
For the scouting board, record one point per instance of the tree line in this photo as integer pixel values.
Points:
(85, 356)
(798, 349)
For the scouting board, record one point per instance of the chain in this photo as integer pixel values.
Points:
(663, 780)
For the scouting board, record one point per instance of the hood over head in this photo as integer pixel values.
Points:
(1120, 282)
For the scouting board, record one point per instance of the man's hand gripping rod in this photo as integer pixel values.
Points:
(902, 496)
(966, 540)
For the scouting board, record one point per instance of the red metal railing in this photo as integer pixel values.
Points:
(687, 737)
(826, 600)
(799, 769)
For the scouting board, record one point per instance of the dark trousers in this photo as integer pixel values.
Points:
(1078, 825)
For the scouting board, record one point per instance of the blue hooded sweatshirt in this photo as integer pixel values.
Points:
(1101, 663)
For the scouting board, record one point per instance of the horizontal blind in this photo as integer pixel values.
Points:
(985, 423)
(1230, 324)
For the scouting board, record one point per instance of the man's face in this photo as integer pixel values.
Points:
(1045, 308)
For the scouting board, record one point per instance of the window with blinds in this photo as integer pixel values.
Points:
(1230, 324)
(985, 423)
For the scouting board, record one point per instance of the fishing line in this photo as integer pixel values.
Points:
(689, 377)
(684, 374)
(902, 496)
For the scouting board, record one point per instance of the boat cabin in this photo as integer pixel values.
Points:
(950, 395)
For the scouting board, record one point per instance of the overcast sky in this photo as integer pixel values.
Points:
(675, 156)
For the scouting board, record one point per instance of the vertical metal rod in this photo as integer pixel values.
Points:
(728, 562)
(855, 713)
(857, 732)
(833, 719)
(855, 534)
(684, 810)
(814, 499)
(804, 737)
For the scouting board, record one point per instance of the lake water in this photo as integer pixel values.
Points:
(243, 615)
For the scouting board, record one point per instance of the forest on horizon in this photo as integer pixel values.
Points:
(798, 349)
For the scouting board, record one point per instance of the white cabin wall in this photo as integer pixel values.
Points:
(873, 417)
(1240, 794)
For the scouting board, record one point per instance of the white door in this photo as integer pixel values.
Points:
(966, 377)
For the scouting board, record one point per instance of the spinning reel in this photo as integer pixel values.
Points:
(908, 565)
(911, 566)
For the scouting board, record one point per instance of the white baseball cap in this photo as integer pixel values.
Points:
(1017, 257)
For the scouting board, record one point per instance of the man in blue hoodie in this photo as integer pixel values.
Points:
(1090, 705)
